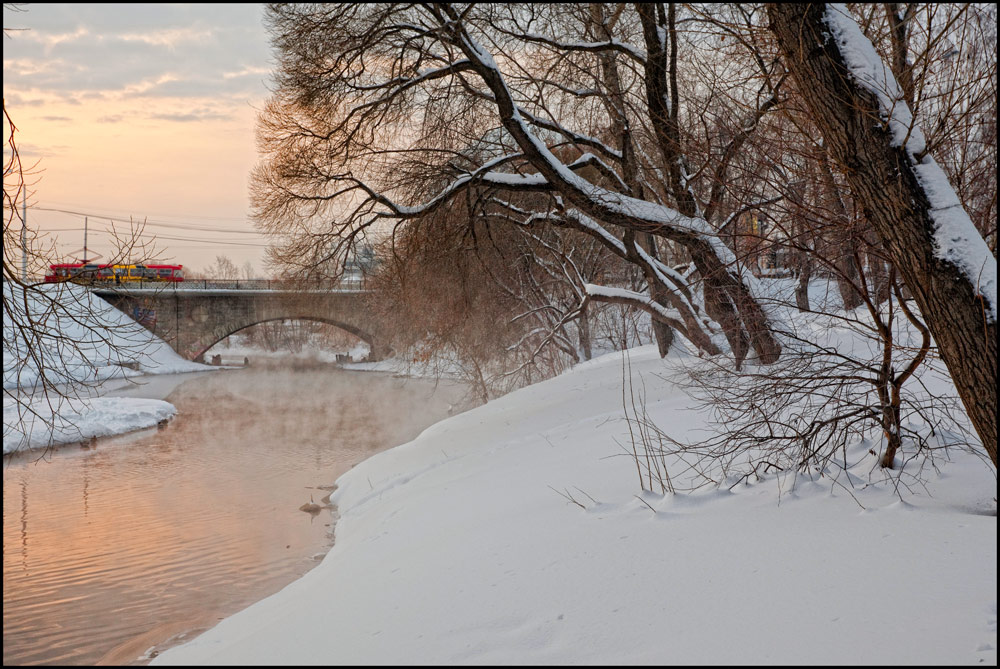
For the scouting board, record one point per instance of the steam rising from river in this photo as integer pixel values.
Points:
(111, 550)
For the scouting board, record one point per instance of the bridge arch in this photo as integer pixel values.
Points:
(192, 319)
(346, 327)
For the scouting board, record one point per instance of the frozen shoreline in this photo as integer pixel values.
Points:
(84, 344)
(516, 533)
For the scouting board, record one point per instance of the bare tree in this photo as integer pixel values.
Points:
(53, 337)
(826, 394)
(846, 378)
(51, 333)
(387, 113)
(223, 268)
(652, 130)
(871, 134)
(513, 297)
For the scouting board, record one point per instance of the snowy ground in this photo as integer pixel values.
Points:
(517, 533)
(463, 547)
(85, 343)
(70, 420)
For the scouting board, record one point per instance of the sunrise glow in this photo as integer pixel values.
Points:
(139, 111)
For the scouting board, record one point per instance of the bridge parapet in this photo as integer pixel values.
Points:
(284, 285)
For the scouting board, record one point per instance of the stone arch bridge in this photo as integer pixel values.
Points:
(195, 315)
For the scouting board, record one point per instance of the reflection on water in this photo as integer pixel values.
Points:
(111, 550)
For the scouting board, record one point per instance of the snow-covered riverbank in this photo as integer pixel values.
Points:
(81, 343)
(513, 534)
(517, 533)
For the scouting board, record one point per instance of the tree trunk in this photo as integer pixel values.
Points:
(844, 244)
(802, 289)
(664, 333)
(615, 104)
(583, 330)
(883, 181)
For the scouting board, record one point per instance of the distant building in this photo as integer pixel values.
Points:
(359, 265)
(759, 244)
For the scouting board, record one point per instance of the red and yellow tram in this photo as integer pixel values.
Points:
(91, 272)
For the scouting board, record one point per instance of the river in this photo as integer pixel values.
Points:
(116, 550)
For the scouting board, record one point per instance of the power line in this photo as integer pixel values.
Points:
(210, 241)
(155, 236)
(154, 222)
(155, 214)
(207, 242)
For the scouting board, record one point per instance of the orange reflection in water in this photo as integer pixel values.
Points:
(109, 551)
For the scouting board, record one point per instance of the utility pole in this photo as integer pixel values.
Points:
(84, 240)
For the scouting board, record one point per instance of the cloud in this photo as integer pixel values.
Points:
(56, 119)
(52, 39)
(126, 51)
(30, 151)
(145, 86)
(188, 117)
(32, 68)
(14, 100)
(169, 38)
(246, 72)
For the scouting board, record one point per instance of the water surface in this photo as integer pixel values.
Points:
(113, 550)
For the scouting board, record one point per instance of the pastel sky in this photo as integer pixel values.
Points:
(141, 110)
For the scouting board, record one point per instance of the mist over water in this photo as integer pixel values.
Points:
(112, 550)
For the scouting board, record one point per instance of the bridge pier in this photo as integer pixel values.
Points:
(379, 352)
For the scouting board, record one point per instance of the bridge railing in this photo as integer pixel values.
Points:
(239, 284)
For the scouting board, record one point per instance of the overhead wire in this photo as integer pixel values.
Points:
(147, 221)
(210, 243)
(155, 214)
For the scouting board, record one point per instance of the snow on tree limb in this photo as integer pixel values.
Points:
(956, 239)
(363, 140)
(632, 298)
(593, 199)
